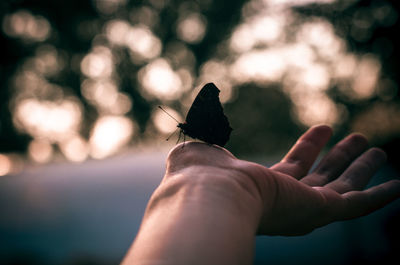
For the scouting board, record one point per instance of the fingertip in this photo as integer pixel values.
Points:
(323, 128)
(358, 138)
(320, 134)
(379, 154)
(395, 185)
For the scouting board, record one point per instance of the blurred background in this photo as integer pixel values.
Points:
(80, 82)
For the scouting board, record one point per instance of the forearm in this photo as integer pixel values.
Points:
(187, 222)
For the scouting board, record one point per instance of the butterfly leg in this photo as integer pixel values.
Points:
(184, 140)
(179, 137)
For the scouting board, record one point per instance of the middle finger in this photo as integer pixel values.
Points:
(337, 160)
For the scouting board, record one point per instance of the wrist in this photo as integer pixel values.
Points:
(193, 213)
(216, 191)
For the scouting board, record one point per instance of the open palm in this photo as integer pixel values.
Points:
(333, 191)
(292, 200)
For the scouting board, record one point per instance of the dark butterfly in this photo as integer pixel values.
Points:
(206, 120)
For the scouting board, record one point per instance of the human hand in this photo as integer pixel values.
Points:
(285, 199)
(210, 204)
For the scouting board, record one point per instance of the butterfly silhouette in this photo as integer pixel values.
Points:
(206, 119)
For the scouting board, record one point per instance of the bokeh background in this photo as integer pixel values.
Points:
(80, 81)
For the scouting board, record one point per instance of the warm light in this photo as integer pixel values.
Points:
(23, 24)
(380, 121)
(267, 29)
(186, 77)
(98, 63)
(28, 82)
(218, 73)
(315, 108)
(315, 77)
(144, 15)
(109, 6)
(345, 66)
(160, 81)
(75, 149)
(242, 39)
(5, 165)
(143, 44)
(320, 34)
(260, 66)
(180, 54)
(192, 28)
(366, 77)
(298, 55)
(47, 61)
(122, 105)
(163, 122)
(40, 151)
(295, 2)
(101, 93)
(260, 30)
(51, 120)
(117, 30)
(214, 70)
(109, 134)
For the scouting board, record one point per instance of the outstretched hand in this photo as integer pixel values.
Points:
(210, 204)
(293, 201)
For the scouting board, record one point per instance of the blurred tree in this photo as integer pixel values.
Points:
(369, 27)
(144, 53)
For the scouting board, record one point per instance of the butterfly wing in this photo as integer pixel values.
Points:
(206, 120)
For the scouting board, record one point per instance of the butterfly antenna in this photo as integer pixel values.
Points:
(168, 114)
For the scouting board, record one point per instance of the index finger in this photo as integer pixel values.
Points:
(302, 155)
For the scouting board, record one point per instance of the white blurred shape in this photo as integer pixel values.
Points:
(316, 108)
(295, 2)
(213, 70)
(109, 6)
(117, 30)
(101, 93)
(267, 29)
(75, 149)
(192, 28)
(22, 24)
(345, 66)
(160, 81)
(366, 77)
(316, 77)
(109, 134)
(300, 55)
(5, 165)
(104, 95)
(242, 39)
(262, 29)
(186, 77)
(320, 34)
(98, 63)
(47, 61)
(143, 44)
(121, 105)
(259, 66)
(46, 119)
(40, 150)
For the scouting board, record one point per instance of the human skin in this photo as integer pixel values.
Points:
(210, 205)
